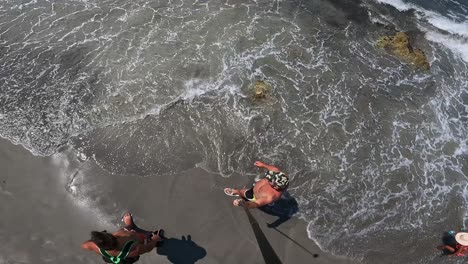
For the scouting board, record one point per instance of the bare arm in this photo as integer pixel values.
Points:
(88, 245)
(448, 248)
(266, 166)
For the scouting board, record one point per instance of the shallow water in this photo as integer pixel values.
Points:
(376, 150)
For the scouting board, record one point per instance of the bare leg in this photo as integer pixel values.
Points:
(131, 226)
(240, 192)
(447, 248)
(231, 191)
(128, 221)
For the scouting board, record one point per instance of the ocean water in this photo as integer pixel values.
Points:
(376, 150)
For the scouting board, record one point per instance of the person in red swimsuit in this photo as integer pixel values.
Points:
(460, 248)
(124, 246)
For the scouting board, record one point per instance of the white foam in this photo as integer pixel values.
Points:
(461, 150)
(77, 193)
(465, 216)
(458, 30)
(398, 4)
(195, 88)
(458, 46)
(448, 24)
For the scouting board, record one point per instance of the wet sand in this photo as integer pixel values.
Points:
(49, 205)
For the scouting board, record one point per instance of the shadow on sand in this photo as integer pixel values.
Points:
(284, 208)
(181, 251)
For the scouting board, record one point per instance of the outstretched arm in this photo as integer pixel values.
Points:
(88, 245)
(448, 248)
(266, 166)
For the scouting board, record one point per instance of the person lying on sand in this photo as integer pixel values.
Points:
(124, 246)
(460, 248)
(263, 192)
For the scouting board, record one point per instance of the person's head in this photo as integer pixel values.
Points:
(104, 240)
(278, 180)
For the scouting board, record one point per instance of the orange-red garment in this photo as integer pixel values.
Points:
(462, 250)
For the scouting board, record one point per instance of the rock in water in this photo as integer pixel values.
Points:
(261, 89)
(400, 46)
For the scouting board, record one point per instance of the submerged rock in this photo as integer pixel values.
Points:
(400, 46)
(261, 90)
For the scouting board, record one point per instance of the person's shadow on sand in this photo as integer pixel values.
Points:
(284, 208)
(181, 251)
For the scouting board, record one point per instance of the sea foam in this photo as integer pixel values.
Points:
(446, 31)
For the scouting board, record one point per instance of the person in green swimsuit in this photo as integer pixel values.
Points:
(265, 191)
(124, 246)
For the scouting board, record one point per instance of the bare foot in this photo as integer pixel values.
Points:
(156, 236)
(231, 192)
(128, 220)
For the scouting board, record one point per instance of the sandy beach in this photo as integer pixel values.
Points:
(50, 204)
